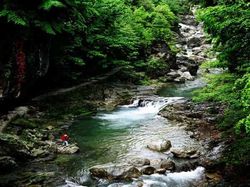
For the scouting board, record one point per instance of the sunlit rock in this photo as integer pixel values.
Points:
(160, 146)
(185, 153)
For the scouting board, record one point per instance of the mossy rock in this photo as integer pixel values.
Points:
(13, 146)
(25, 123)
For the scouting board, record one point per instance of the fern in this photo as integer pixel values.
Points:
(48, 4)
(13, 17)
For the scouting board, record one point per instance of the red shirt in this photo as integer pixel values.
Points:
(64, 137)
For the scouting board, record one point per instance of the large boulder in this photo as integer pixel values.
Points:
(160, 146)
(115, 172)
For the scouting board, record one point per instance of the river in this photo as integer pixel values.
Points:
(123, 134)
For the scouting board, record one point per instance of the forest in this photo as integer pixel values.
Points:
(53, 44)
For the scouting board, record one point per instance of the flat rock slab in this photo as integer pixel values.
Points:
(70, 149)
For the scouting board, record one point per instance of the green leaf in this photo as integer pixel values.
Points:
(49, 4)
(13, 17)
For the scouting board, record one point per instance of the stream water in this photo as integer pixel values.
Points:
(123, 134)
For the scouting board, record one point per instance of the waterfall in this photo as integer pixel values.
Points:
(139, 109)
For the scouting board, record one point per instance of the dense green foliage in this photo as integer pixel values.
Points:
(73, 39)
(228, 23)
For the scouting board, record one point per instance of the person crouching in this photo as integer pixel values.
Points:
(65, 138)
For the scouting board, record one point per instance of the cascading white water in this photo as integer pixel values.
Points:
(181, 179)
(140, 109)
(177, 179)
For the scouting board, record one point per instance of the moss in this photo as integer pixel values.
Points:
(26, 123)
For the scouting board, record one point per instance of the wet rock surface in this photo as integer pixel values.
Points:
(198, 118)
(70, 149)
(148, 170)
(167, 165)
(138, 162)
(115, 172)
(200, 122)
(160, 146)
(193, 47)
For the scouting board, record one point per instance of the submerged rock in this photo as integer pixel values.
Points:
(115, 172)
(160, 146)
